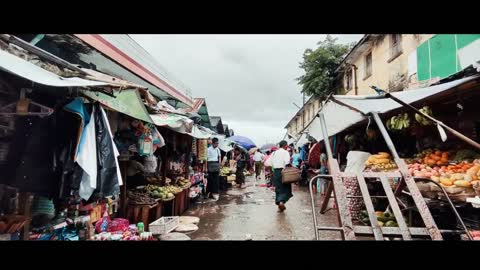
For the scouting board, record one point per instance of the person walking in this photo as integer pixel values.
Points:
(214, 158)
(241, 161)
(258, 158)
(278, 161)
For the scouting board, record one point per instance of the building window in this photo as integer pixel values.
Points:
(395, 46)
(349, 79)
(368, 65)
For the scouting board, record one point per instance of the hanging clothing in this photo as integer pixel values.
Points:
(314, 156)
(87, 158)
(108, 171)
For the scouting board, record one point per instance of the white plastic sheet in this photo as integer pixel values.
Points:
(384, 105)
(175, 122)
(337, 118)
(87, 159)
(199, 133)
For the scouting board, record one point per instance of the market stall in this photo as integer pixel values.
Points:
(430, 153)
(62, 175)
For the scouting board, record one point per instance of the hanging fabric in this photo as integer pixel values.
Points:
(87, 159)
(115, 149)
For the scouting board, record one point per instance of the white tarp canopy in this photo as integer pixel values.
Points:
(32, 72)
(383, 105)
(175, 122)
(302, 140)
(339, 117)
(199, 132)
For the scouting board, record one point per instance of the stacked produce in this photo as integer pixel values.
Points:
(380, 162)
(140, 197)
(384, 219)
(183, 183)
(433, 158)
(398, 122)
(163, 193)
(458, 180)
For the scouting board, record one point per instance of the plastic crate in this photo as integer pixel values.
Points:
(164, 225)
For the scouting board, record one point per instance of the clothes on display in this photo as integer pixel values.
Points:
(202, 146)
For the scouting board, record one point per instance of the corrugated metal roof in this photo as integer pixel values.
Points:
(125, 51)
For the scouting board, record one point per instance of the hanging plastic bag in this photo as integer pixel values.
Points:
(145, 146)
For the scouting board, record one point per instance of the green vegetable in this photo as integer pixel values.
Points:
(465, 154)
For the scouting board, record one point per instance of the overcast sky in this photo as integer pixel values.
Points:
(248, 80)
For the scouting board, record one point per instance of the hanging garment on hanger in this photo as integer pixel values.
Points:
(87, 159)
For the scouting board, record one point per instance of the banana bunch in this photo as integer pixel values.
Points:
(151, 187)
(421, 119)
(398, 122)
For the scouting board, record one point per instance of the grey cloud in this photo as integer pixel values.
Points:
(249, 80)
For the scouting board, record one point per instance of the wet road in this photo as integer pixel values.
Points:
(251, 213)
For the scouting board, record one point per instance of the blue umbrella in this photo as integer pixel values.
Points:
(243, 141)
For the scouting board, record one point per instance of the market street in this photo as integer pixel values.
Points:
(246, 213)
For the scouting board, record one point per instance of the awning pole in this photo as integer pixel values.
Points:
(451, 130)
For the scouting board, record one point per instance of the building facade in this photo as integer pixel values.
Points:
(395, 62)
(303, 117)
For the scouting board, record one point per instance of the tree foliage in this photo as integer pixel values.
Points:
(320, 65)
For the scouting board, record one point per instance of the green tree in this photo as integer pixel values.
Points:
(320, 65)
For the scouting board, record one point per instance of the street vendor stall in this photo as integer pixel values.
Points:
(446, 161)
(60, 173)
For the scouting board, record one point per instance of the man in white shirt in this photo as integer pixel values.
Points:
(214, 158)
(278, 161)
(258, 158)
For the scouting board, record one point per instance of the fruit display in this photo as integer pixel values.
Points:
(421, 119)
(434, 158)
(183, 183)
(163, 193)
(456, 179)
(398, 122)
(380, 162)
(384, 219)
